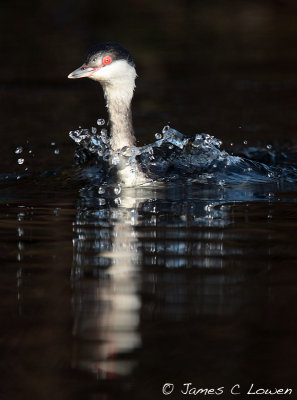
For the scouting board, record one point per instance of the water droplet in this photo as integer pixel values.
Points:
(20, 231)
(94, 130)
(118, 201)
(18, 150)
(21, 161)
(158, 136)
(102, 202)
(231, 144)
(269, 147)
(100, 121)
(101, 190)
(165, 129)
(117, 190)
(57, 151)
(95, 142)
(245, 142)
(53, 143)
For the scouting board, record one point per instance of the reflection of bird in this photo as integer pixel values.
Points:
(112, 66)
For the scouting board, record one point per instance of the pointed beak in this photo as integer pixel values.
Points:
(82, 72)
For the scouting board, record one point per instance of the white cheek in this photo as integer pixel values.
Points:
(100, 75)
(116, 72)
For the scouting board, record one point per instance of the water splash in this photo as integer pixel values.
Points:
(175, 157)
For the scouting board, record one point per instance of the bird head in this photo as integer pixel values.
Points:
(108, 63)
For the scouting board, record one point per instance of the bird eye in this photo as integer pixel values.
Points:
(107, 60)
(94, 59)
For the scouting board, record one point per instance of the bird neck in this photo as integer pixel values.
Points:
(118, 102)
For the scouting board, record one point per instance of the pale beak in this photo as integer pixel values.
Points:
(81, 72)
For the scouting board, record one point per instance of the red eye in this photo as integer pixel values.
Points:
(106, 60)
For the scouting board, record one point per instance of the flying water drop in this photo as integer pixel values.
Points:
(117, 190)
(100, 121)
(18, 150)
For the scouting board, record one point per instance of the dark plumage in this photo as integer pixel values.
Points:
(116, 51)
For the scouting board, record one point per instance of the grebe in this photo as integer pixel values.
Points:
(112, 66)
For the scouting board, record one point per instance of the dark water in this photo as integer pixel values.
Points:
(109, 294)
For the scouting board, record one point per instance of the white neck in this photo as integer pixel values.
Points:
(118, 101)
(118, 82)
(118, 95)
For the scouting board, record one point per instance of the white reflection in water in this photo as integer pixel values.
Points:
(134, 247)
(106, 309)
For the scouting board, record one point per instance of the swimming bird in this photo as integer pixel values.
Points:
(112, 66)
